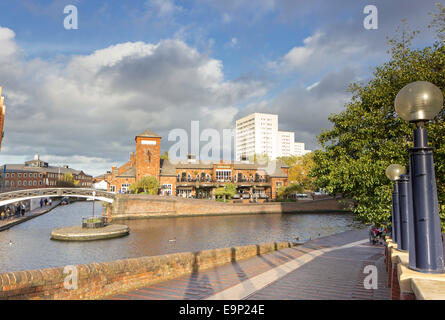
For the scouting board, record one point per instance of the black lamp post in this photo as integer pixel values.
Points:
(419, 102)
(405, 207)
(393, 172)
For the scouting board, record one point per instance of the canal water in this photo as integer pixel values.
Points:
(32, 248)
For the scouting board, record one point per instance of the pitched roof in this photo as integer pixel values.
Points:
(148, 134)
(130, 173)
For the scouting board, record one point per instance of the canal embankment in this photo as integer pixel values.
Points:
(9, 223)
(148, 206)
(98, 280)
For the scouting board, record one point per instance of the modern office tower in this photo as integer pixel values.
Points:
(285, 143)
(299, 149)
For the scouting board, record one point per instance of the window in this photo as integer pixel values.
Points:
(19, 183)
(34, 183)
(12, 183)
(7, 175)
(40, 175)
(19, 175)
(24, 183)
(40, 183)
(113, 188)
(6, 183)
(125, 187)
(12, 175)
(223, 175)
(24, 175)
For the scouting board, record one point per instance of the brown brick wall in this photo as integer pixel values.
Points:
(144, 206)
(98, 280)
(148, 165)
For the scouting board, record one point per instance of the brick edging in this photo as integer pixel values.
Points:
(98, 280)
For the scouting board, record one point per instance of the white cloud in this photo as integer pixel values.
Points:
(86, 111)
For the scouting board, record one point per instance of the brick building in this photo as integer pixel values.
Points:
(193, 178)
(38, 174)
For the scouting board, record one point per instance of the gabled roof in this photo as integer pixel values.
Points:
(148, 134)
(130, 173)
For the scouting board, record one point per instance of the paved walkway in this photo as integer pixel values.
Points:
(326, 268)
(10, 222)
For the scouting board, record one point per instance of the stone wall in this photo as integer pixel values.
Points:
(98, 280)
(146, 206)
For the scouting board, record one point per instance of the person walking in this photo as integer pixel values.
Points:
(23, 209)
(41, 203)
(50, 201)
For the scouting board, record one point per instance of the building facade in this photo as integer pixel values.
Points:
(38, 174)
(194, 178)
(2, 116)
(258, 134)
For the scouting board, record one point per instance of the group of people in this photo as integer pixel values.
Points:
(46, 202)
(377, 235)
(13, 211)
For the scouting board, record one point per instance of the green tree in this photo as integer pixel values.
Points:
(67, 181)
(147, 184)
(285, 192)
(368, 135)
(299, 170)
(164, 156)
(228, 191)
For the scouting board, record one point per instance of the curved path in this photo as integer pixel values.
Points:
(326, 268)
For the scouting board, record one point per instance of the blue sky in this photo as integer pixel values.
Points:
(159, 64)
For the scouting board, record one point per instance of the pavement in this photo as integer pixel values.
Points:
(334, 267)
(12, 221)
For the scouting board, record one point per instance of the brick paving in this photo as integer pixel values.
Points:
(329, 274)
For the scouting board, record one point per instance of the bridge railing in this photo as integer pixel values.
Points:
(61, 192)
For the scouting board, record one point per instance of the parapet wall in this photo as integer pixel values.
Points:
(98, 280)
(145, 206)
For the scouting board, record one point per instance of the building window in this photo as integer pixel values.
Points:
(40, 183)
(113, 188)
(12, 175)
(19, 175)
(24, 183)
(24, 175)
(6, 183)
(19, 183)
(12, 183)
(223, 175)
(40, 175)
(7, 175)
(34, 183)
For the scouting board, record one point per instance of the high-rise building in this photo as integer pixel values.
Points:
(258, 134)
(2, 116)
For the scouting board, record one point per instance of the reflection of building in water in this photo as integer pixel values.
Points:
(2, 116)
(194, 178)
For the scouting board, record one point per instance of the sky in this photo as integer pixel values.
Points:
(79, 96)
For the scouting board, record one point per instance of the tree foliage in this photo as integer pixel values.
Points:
(229, 190)
(368, 135)
(67, 181)
(285, 192)
(299, 170)
(147, 184)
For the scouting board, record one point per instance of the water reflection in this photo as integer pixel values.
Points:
(32, 247)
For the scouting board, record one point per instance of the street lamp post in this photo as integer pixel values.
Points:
(405, 207)
(393, 172)
(419, 102)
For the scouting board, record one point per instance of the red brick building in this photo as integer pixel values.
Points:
(38, 174)
(193, 178)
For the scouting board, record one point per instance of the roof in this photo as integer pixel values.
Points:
(51, 169)
(130, 173)
(272, 168)
(148, 134)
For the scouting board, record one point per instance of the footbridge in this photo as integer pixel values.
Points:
(21, 195)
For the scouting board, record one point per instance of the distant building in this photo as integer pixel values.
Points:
(38, 174)
(193, 178)
(258, 134)
(2, 116)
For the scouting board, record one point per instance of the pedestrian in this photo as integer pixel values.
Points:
(41, 202)
(3, 215)
(46, 202)
(50, 201)
(23, 209)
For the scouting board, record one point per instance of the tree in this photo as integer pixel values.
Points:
(229, 190)
(67, 181)
(299, 169)
(164, 156)
(147, 184)
(285, 192)
(368, 135)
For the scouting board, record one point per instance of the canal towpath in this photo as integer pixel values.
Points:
(332, 267)
(15, 220)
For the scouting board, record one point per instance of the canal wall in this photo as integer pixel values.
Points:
(98, 280)
(148, 206)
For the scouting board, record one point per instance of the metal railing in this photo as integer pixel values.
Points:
(55, 192)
